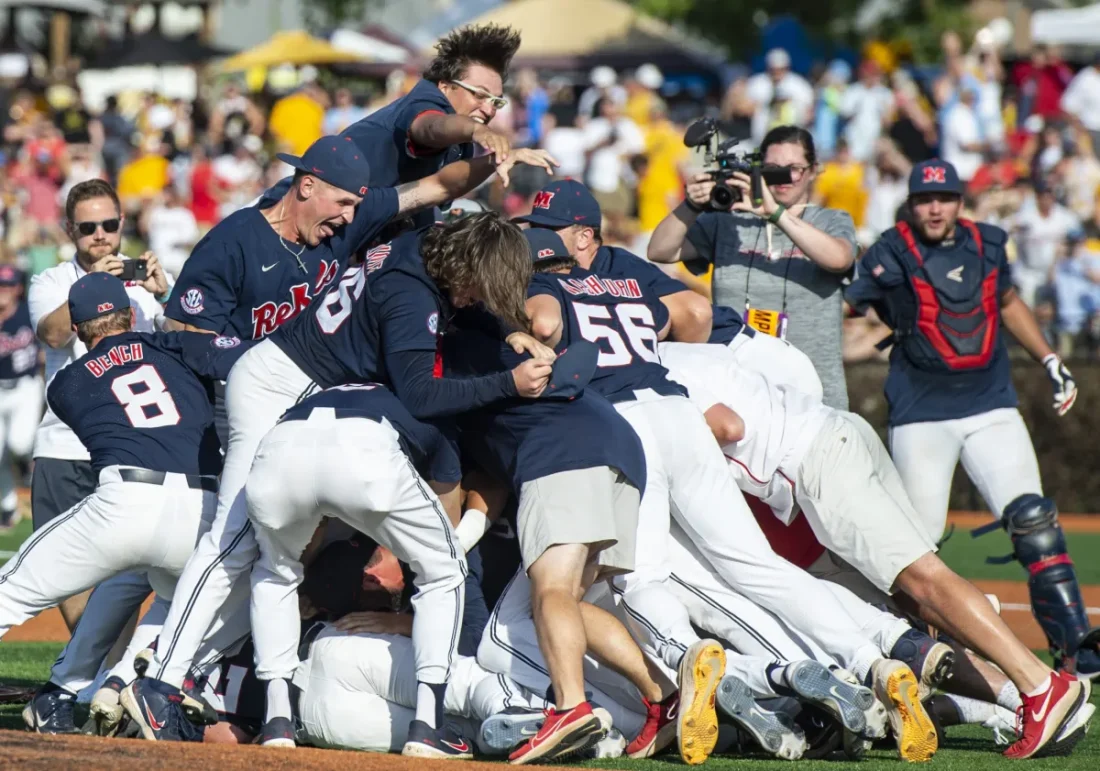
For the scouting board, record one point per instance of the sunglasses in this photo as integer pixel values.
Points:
(498, 102)
(88, 228)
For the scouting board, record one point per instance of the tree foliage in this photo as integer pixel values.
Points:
(322, 15)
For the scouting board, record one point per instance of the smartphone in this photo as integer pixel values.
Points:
(134, 270)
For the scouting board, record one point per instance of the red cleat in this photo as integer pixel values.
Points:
(1043, 718)
(659, 730)
(573, 730)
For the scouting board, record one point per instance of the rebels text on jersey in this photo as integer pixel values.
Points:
(146, 399)
(619, 316)
(18, 345)
(243, 279)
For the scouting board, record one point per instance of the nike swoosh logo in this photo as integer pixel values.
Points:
(149, 713)
(670, 714)
(463, 747)
(1038, 716)
(525, 731)
(835, 691)
(266, 268)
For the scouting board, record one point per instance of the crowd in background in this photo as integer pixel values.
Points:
(1024, 138)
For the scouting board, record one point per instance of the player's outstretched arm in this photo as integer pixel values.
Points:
(461, 177)
(546, 321)
(437, 131)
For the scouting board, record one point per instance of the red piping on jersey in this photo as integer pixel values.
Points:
(437, 365)
(411, 147)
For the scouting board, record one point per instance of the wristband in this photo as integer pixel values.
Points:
(471, 527)
(775, 215)
(164, 298)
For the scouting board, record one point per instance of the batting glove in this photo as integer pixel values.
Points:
(1065, 387)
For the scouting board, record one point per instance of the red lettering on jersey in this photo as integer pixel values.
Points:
(124, 353)
(594, 286)
(115, 357)
(137, 353)
(542, 200)
(20, 340)
(104, 362)
(93, 367)
(569, 287)
(934, 175)
(269, 316)
(325, 274)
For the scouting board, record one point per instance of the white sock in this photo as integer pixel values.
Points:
(1042, 687)
(278, 699)
(1009, 697)
(971, 710)
(429, 703)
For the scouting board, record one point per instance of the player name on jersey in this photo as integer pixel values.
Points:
(17, 342)
(594, 286)
(115, 357)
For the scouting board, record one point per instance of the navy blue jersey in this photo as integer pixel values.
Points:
(18, 345)
(623, 318)
(518, 440)
(146, 399)
(915, 394)
(376, 323)
(614, 262)
(433, 456)
(383, 137)
(243, 279)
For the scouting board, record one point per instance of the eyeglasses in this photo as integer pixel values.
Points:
(498, 102)
(88, 228)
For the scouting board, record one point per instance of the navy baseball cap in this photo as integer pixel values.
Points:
(935, 176)
(10, 276)
(336, 160)
(96, 294)
(573, 369)
(561, 203)
(545, 244)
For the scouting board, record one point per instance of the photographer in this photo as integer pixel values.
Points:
(782, 262)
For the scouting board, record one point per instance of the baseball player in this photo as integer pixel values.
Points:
(943, 284)
(379, 324)
(568, 208)
(20, 388)
(141, 404)
(847, 488)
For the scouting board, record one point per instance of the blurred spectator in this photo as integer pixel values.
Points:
(866, 106)
(238, 176)
(912, 127)
(778, 81)
(840, 185)
(737, 108)
(1049, 153)
(84, 164)
(830, 96)
(170, 231)
(605, 85)
(661, 187)
(535, 103)
(118, 133)
(1040, 82)
(962, 144)
(38, 179)
(204, 202)
(342, 114)
(234, 116)
(1081, 101)
(145, 176)
(1041, 228)
(1079, 172)
(642, 97)
(610, 139)
(77, 125)
(1077, 294)
(564, 141)
(887, 189)
(296, 120)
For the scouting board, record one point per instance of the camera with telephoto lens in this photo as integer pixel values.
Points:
(134, 270)
(723, 163)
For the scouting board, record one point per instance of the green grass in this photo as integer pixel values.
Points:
(966, 555)
(10, 541)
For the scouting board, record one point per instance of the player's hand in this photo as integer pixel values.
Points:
(156, 282)
(531, 377)
(522, 342)
(698, 190)
(374, 622)
(112, 264)
(1065, 387)
(527, 156)
(743, 182)
(494, 143)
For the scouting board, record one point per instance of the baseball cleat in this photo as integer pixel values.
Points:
(775, 732)
(105, 712)
(848, 702)
(897, 687)
(659, 730)
(503, 732)
(142, 659)
(932, 662)
(436, 743)
(51, 711)
(701, 670)
(278, 732)
(1052, 723)
(562, 733)
(156, 708)
(609, 747)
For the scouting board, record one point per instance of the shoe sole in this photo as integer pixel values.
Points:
(105, 717)
(421, 750)
(814, 682)
(701, 671)
(136, 713)
(938, 667)
(580, 750)
(280, 742)
(503, 733)
(563, 741)
(913, 730)
(775, 732)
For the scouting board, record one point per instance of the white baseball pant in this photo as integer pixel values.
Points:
(509, 646)
(262, 385)
(687, 476)
(779, 361)
(359, 692)
(20, 411)
(355, 470)
(121, 526)
(996, 452)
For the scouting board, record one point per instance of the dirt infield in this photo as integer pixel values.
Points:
(1016, 610)
(1071, 523)
(29, 751)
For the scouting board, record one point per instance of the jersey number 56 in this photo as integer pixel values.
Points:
(634, 320)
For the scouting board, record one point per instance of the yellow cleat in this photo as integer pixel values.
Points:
(701, 670)
(898, 688)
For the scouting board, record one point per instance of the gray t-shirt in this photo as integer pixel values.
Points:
(777, 276)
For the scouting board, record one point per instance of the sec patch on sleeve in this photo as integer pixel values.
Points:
(192, 301)
(222, 341)
(433, 322)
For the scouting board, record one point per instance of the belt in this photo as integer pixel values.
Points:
(149, 477)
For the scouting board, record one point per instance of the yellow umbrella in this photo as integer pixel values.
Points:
(295, 47)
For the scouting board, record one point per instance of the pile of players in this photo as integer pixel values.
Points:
(408, 395)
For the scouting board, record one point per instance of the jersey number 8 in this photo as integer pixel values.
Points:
(136, 400)
(635, 321)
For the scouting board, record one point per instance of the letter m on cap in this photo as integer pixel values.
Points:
(542, 200)
(934, 175)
